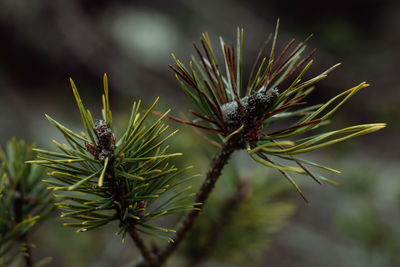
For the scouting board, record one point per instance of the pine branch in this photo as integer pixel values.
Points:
(273, 94)
(105, 179)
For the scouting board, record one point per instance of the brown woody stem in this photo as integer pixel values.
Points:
(230, 206)
(150, 261)
(18, 213)
(27, 252)
(214, 172)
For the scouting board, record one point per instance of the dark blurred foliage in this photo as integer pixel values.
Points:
(43, 42)
(370, 232)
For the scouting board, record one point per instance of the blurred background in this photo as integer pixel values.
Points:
(355, 224)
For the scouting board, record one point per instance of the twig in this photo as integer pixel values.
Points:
(217, 164)
(230, 206)
(150, 261)
(27, 252)
(18, 205)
